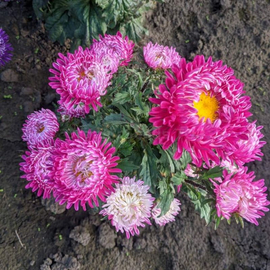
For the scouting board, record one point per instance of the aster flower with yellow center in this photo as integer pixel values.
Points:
(129, 206)
(84, 168)
(201, 109)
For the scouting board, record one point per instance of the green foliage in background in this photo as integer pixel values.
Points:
(83, 20)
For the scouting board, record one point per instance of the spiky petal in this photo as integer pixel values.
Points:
(129, 206)
(5, 48)
(169, 216)
(200, 108)
(38, 168)
(40, 127)
(239, 194)
(158, 56)
(84, 169)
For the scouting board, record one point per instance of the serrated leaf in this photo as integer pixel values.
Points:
(122, 98)
(127, 166)
(166, 199)
(38, 6)
(185, 159)
(197, 199)
(213, 173)
(116, 119)
(142, 106)
(179, 178)
(149, 171)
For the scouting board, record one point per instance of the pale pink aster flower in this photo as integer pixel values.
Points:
(38, 168)
(80, 78)
(169, 216)
(201, 109)
(238, 194)
(40, 127)
(119, 48)
(244, 151)
(84, 167)
(158, 56)
(129, 206)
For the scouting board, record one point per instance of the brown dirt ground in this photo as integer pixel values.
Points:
(238, 32)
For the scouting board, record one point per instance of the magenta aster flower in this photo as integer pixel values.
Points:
(38, 168)
(158, 56)
(244, 151)
(5, 48)
(201, 109)
(169, 216)
(84, 167)
(80, 78)
(238, 194)
(40, 127)
(129, 206)
(119, 48)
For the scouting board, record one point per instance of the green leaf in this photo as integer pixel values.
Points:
(198, 200)
(185, 159)
(122, 98)
(166, 199)
(142, 106)
(149, 171)
(38, 6)
(127, 166)
(116, 119)
(179, 178)
(213, 173)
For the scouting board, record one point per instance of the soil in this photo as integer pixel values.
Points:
(34, 237)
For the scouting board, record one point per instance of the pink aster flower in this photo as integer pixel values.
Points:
(116, 47)
(38, 168)
(238, 194)
(80, 78)
(84, 167)
(40, 127)
(169, 216)
(67, 112)
(244, 151)
(129, 206)
(201, 109)
(158, 56)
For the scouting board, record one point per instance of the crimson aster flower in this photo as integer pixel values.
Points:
(115, 46)
(158, 56)
(129, 206)
(80, 78)
(238, 194)
(38, 168)
(84, 167)
(169, 216)
(201, 109)
(5, 48)
(40, 127)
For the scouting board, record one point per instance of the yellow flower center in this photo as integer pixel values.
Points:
(207, 107)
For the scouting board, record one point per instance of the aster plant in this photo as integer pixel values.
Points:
(129, 137)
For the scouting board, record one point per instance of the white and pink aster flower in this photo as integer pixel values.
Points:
(40, 127)
(129, 206)
(84, 169)
(38, 168)
(158, 56)
(169, 216)
(238, 194)
(201, 109)
(80, 78)
(116, 47)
